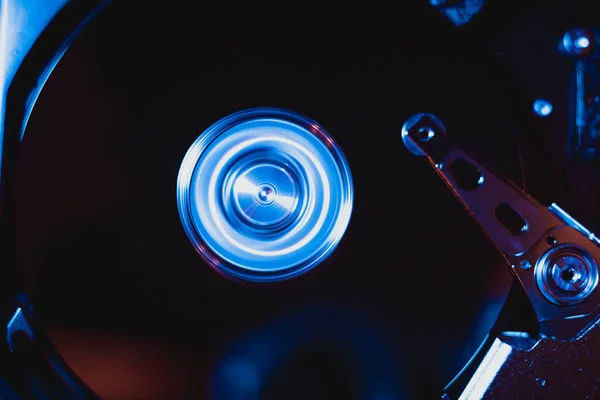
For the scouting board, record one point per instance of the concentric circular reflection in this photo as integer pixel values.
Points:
(264, 194)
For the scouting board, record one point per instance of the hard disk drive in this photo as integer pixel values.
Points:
(296, 201)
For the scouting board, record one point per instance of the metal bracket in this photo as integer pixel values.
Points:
(552, 255)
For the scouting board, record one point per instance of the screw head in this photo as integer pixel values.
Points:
(266, 195)
(421, 128)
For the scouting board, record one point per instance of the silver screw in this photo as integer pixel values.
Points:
(266, 194)
(421, 128)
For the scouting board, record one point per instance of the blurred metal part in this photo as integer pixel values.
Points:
(18, 323)
(549, 370)
(37, 360)
(542, 107)
(524, 231)
(19, 28)
(487, 370)
(260, 360)
(33, 36)
(459, 12)
(265, 194)
(579, 44)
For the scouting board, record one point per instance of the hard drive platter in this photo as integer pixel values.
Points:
(407, 287)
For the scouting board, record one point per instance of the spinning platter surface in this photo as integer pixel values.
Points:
(265, 194)
(411, 281)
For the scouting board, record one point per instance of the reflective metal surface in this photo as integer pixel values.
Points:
(426, 126)
(566, 275)
(265, 194)
(525, 232)
(578, 42)
(353, 92)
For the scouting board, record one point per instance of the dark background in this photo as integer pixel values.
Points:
(113, 274)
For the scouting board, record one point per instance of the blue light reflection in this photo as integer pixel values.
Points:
(265, 357)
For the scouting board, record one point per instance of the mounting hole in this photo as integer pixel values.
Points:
(465, 174)
(426, 133)
(567, 275)
(511, 219)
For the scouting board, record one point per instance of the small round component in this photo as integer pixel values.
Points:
(426, 133)
(542, 107)
(566, 275)
(421, 127)
(525, 264)
(264, 194)
(578, 42)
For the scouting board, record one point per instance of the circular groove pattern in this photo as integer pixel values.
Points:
(265, 194)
